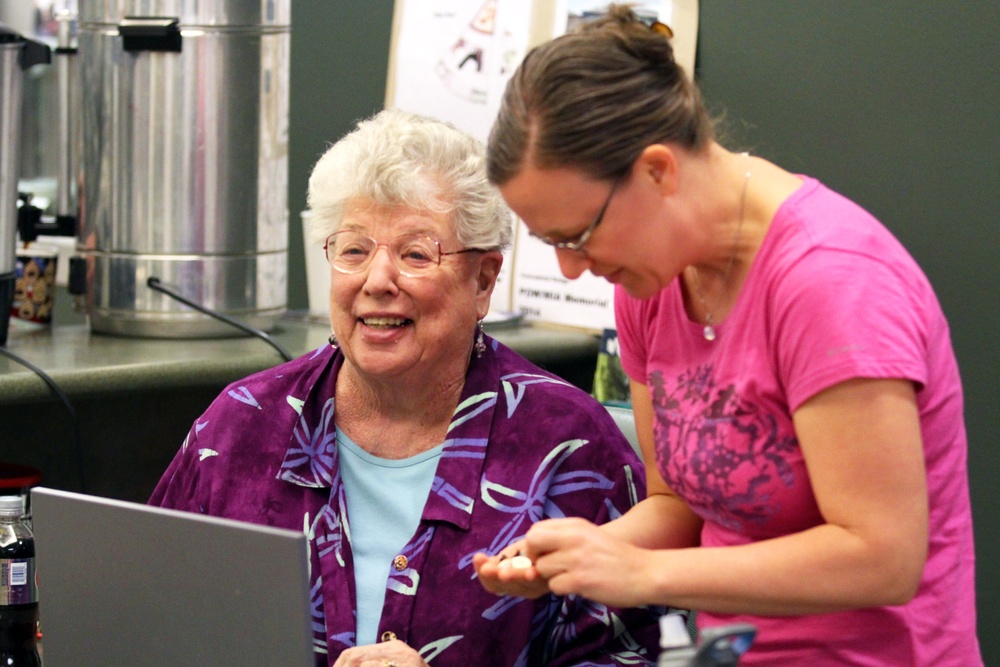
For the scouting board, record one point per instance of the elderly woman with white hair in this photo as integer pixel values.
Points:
(414, 440)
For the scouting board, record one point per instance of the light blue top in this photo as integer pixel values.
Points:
(385, 499)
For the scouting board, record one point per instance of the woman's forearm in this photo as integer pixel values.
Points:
(820, 570)
(661, 521)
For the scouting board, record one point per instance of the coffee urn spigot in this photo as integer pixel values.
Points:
(17, 53)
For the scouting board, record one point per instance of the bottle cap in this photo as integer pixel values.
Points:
(11, 506)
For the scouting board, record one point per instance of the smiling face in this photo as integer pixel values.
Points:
(391, 326)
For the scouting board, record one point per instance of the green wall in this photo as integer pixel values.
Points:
(894, 103)
(340, 55)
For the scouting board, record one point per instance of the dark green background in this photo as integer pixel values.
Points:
(893, 103)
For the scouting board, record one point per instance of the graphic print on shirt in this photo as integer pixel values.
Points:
(515, 384)
(328, 534)
(463, 448)
(563, 632)
(436, 647)
(715, 451)
(317, 618)
(310, 459)
(406, 581)
(534, 504)
(243, 395)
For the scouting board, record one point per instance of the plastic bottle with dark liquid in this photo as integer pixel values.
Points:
(18, 588)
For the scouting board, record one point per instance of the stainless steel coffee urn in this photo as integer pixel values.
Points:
(184, 163)
(17, 54)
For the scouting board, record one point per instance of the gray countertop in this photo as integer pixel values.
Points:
(131, 401)
(86, 364)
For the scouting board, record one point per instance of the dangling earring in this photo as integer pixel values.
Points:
(480, 345)
(333, 340)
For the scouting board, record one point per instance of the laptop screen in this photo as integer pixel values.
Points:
(128, 584)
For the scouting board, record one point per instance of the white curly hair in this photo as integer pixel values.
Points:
(396, 158)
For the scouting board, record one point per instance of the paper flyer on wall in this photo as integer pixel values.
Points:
(540, 290)
(451, 60)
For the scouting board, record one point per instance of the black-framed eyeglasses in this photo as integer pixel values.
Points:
(414, 255)
(578, 241)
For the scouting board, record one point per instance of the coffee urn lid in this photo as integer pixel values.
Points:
(8, 35)
(31, 53)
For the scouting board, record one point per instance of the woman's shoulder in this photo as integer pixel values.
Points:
(537, 402)
(272, 388)
(287, 373)
(817, 217)
(514, 369)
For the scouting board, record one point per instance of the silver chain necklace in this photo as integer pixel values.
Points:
(709, 331)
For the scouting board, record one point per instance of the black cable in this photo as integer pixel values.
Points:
(154, 283)
(77, 435)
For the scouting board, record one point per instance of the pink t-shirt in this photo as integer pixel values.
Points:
(831, 296)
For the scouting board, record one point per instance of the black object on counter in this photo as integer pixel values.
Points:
(18, 589)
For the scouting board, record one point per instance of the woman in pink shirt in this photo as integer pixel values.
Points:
(795, 391)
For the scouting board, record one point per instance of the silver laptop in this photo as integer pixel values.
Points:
(127, 584)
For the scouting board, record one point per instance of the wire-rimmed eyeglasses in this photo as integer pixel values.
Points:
(577, 242)
(414, 255)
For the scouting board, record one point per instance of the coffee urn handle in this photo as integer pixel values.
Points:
(33, 53)
(150, 33)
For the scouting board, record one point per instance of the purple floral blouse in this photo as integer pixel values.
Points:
(523, 445)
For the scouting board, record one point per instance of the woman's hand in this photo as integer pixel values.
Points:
(384, 654)
(510, 572)
(576, 557)
(568, 556)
